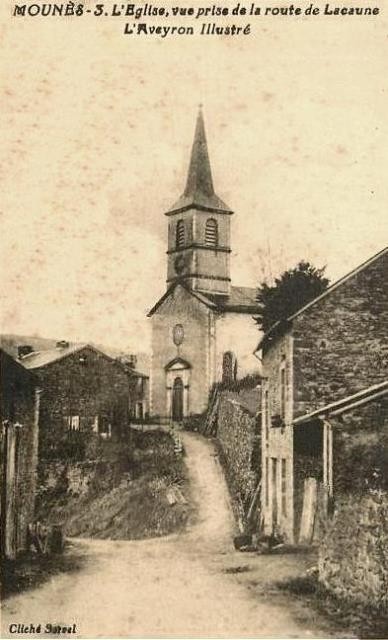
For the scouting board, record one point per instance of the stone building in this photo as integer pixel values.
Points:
(329, 351)
(138, 388)
(19, 409)
(139, 395)
(83, 390)
(358, 427)
(202, 327)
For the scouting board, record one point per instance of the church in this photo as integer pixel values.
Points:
(203, 330)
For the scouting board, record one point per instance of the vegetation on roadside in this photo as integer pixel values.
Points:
(130, 492)
(361, 621)
(31, 569)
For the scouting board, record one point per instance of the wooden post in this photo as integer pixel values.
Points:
(3, 466)
(309, 511)
(330, 458)
(10, 515)
(325, 467)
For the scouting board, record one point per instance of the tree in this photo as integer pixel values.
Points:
(291, 291)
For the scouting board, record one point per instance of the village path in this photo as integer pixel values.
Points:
(193, 584)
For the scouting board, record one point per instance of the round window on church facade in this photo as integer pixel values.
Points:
(178, 334)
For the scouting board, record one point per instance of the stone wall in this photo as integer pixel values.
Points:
(277, 439)
(340, 342)
(19, 407)
(26, 465)
(60, 480)
(84, 384)
(238, 435)
(353, 556)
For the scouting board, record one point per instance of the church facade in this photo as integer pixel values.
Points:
(202, 327)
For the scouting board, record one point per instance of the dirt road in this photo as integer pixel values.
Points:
(192, 584)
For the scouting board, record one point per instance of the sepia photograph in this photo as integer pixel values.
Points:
(194, 320)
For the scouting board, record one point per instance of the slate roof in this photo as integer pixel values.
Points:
(240, 299)
(199, 191)
(137, 374)
(37, 359)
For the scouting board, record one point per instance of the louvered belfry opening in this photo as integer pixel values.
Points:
(211, 232)
(180, 234)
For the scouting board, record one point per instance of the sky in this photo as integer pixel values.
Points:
(96, 135)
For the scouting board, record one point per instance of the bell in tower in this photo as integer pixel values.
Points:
(199, 227)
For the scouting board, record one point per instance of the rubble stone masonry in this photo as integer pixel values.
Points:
(353, 556)
(238, 435)
(85, 384)
(19, 448)
(340, 342)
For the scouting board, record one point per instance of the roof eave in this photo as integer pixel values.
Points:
(198, 207)
(345, 404)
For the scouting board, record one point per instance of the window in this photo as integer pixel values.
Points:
(73, 423)
(139, 411)
(283, 389)
(180, 234)
(211, 232)
(178, 334)
(266, 414)
(229, 367)
(267, 481)
(284, 486)
(274, 491)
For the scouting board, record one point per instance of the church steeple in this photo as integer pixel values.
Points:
(199, 227)
(199, 177)
(199, 191)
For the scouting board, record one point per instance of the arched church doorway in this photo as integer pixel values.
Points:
(177, 400)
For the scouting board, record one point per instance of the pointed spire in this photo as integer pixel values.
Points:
(199, 177)
(199, 191)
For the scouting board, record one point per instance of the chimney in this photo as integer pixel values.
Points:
(132, 361)
(62, 344)
(24, 350)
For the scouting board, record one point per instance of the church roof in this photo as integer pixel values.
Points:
(199, 191)
(240, 299)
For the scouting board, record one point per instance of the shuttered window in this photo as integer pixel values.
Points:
(211, 232)
(180, 234)
(283, 389)
(284, 486)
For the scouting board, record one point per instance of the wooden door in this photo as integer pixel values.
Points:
(177, 400)
(274, 493)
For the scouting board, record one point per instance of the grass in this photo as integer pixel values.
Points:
(126, 496)
(126, 499)
(361, 621)
(31, 570)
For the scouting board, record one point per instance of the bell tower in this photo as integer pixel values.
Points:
(199, 227)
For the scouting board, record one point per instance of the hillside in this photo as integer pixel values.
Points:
(132, 490)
